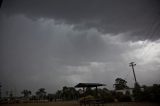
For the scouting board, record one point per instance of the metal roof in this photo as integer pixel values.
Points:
(89, 85)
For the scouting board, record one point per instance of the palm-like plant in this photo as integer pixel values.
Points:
(26, 93)
(41, 93)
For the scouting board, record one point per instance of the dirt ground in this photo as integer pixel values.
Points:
(75, 103)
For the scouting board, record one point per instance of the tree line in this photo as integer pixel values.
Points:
(140, 93)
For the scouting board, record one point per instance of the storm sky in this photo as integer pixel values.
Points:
(56, 43)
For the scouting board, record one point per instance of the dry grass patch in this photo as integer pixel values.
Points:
(75, 103)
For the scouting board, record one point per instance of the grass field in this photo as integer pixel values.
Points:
(75, 103)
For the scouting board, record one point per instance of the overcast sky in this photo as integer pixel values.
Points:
(56, 43)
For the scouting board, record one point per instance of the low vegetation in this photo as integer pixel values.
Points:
(140, 94)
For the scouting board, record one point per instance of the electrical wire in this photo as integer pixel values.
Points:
(151, 34)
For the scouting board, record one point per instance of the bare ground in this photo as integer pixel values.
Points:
(75, 103)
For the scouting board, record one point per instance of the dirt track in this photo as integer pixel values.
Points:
(76, 104)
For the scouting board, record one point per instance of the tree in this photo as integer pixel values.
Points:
(26, 93)
(149, 93)
(137, 93)
(59, 94)
(41, 93)
(65, 92)
(74, 93)
(69, 93)
(50, 97)
(155, 93)
(89, 91)
(120, 84)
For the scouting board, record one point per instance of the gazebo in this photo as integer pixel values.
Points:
(90, 85)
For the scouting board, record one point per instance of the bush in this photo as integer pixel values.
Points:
(89, 97)
(109, 98)
(124, 98)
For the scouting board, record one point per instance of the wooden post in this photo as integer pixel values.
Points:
(84, 97)
(96, 92)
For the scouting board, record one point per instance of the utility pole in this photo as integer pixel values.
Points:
(132, 64)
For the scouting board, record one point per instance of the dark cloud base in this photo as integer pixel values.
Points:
(108, 16)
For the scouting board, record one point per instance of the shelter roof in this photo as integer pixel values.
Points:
(89, 85)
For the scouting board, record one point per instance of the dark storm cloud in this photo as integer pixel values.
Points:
(52, 43)
(27, 38)
(40, 52)
(108, 16)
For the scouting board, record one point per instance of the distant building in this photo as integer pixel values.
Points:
(126, 91)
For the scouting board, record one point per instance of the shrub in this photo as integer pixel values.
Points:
(108, 98)
(124, 98)
(88, 97)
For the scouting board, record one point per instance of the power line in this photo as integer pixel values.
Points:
(154, 29)
(125, 78)
(152, 37)
(149, 29)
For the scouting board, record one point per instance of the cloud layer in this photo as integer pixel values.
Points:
(111, 16)
(53, 43)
